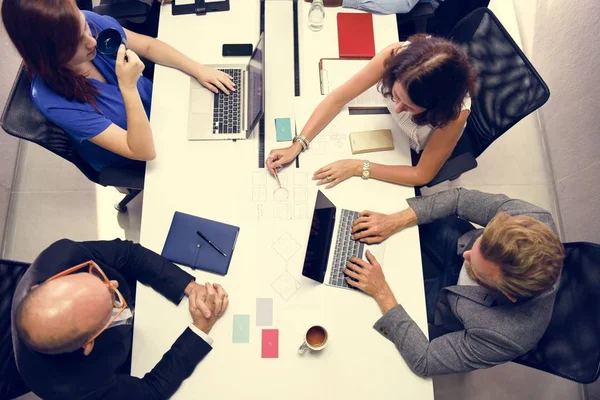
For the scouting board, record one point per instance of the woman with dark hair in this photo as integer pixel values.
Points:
(427, 83)
(102, 103)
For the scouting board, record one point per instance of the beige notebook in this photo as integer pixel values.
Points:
(369, 141)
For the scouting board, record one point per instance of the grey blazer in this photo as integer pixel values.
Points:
(486, 329)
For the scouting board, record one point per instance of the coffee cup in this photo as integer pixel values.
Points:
(315, 339)
(109, 40)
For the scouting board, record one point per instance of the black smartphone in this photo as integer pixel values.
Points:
(237, 50)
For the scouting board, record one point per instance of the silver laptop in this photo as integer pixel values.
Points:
(222, 117)
(331, 229)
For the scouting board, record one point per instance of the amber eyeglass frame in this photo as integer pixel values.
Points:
(94, 267)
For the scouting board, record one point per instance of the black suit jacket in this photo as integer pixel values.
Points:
(75, 376)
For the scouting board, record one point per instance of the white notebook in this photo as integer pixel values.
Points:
(336, 72)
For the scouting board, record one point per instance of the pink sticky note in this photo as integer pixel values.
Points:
(270, 343)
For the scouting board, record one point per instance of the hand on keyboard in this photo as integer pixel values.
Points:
(368, 277)
(372, 227)
(214, 80)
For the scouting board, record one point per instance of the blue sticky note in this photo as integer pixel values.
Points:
(241, 329)
(283, 129)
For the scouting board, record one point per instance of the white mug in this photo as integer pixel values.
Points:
(315, 339)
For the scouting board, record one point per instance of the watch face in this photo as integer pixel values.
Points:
(366, 173)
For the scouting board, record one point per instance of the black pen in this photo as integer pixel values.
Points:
(211, 243)
(298, 156)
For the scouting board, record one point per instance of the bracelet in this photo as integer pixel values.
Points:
(296, 140)
(302, 140)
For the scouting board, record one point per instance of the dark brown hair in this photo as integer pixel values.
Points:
(47, 33)
(437, 75)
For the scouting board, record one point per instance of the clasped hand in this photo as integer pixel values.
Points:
(207, 303)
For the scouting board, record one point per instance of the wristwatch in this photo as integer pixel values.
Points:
(366, 172)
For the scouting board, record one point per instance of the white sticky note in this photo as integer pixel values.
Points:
(264, 312)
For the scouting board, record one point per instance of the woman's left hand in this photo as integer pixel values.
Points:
(214, 80)
(337, 172)
(368, 276)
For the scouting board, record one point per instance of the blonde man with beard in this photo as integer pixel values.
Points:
(489, 292)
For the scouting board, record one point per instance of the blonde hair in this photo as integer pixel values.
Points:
(529, 254)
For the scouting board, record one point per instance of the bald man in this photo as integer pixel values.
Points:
(68, 343)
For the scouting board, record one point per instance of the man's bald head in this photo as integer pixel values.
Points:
(61, 315)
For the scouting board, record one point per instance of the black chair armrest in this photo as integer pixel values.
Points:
(131, 178)
(85, 5)
(454, 167)
(419, 11)
(11, 382)
(124, 10)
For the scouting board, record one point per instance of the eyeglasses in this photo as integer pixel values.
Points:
(117, 298)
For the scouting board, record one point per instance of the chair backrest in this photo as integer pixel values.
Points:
(570, 347)
(85, 5)
(124, 9)
(21, 118)
(509, 87)
(11, 383)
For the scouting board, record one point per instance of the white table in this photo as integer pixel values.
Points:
(221, 181)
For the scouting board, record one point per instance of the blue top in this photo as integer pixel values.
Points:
(81, 120)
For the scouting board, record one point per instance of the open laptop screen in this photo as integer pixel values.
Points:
(319, 240)
(256, 84)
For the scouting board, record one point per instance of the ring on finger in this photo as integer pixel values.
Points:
(329, 178)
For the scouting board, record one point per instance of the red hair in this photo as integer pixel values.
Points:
(47, 34)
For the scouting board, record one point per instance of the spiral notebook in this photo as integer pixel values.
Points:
(185, 247)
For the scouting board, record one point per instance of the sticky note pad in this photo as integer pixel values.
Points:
(270, 343)
(283, 129)
(241, 329)
(264, 312)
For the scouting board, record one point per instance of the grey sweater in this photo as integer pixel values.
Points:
(486, 329)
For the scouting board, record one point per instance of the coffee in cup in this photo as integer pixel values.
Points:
(314, 339)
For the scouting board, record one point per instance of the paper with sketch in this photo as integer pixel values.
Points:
(336, 72)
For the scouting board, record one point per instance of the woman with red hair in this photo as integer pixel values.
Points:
(102, 103)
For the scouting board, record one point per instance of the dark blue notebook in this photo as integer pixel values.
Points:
(184, 246)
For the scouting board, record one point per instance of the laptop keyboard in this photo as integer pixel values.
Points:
(345, 248)
(227, 110)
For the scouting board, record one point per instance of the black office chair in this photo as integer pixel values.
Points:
(509, 89)
(121, 10)
(11, 383)
(21, 118)
(414, 21)
(570, 347)
(424, 19)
